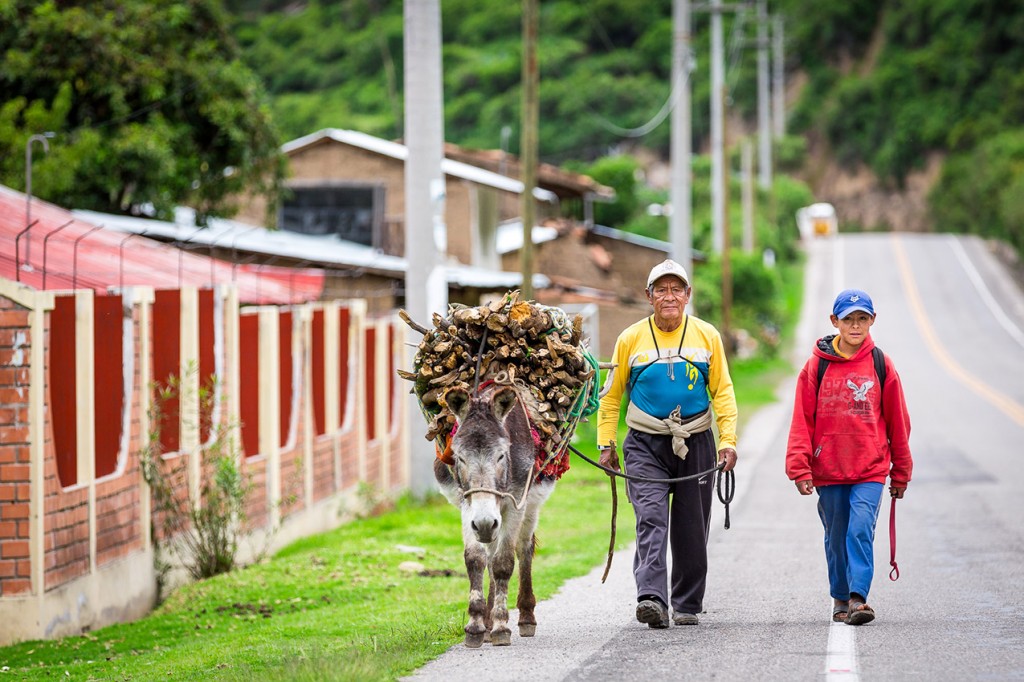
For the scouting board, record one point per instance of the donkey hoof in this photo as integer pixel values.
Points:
(474, 640)
(501, 637)
(527, 629)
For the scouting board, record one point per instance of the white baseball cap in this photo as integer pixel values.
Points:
(667, 267)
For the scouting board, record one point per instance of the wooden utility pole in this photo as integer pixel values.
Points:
(528, 150)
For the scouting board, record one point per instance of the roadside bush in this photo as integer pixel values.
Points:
(202, 531)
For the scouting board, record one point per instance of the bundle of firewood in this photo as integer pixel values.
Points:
(532, 347)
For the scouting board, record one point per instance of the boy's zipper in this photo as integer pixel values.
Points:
(817, 451)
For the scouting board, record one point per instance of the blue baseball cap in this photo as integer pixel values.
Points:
(851, 300)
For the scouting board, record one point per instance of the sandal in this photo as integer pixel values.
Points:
(839, 612)
(859, 613)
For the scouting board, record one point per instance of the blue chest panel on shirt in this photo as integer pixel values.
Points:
(658, 388)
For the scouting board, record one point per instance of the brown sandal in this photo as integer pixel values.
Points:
(859, 613)
(838, 614)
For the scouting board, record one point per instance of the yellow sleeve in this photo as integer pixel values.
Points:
(611, 403)
(723, 398)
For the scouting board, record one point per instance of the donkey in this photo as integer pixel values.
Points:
(494, 456)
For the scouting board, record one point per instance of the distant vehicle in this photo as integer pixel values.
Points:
(817, 220)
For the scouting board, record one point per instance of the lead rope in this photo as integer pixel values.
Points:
(725, 497)
(892, 542)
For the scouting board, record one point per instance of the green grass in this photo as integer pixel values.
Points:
(337, 606)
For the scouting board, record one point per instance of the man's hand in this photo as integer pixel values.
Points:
(727, 455)
(805, 487)
(610, 457)
(897, 491)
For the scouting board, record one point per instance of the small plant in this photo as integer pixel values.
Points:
(201, 528)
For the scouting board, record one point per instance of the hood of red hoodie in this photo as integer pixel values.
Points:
(823, 349)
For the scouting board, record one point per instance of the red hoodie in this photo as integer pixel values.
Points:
(841, 434)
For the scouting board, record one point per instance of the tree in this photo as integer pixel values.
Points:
(150, 103)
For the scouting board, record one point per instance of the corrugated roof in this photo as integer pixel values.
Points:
(319, 251)
(63, 250)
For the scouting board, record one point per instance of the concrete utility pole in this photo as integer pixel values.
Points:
(681, 190)
(778, 78)
(747, 159)
(717, 129)
(764, 133)
(726, 328)
(528, 150)
(426, 283)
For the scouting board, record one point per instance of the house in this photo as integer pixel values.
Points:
(348, 187)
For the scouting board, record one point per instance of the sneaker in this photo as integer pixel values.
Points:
(652, 612)
(685, 619)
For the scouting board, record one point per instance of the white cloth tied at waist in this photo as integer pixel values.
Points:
(672, 425)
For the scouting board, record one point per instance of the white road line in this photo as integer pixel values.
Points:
(986, 296)
(841, 659)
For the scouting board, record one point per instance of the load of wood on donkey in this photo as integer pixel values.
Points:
(535, 348)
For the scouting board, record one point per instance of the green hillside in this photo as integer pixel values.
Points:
(887, 82)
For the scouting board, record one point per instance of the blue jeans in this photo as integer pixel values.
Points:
(849, 513)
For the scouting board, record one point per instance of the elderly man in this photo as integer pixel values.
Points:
(672, 367)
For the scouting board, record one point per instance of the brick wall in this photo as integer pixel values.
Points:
(15, 339)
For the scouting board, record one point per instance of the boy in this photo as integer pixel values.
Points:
(847, 436)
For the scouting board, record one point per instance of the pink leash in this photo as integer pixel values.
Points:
(892, 542)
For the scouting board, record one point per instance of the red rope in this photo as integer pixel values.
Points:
(892, 543)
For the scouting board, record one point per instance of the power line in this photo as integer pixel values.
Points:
(652, 124)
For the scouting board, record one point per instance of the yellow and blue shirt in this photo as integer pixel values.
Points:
(662, 370)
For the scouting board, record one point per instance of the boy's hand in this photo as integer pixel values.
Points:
(897, 492)
(805, 487)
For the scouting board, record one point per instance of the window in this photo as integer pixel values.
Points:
(350, 212)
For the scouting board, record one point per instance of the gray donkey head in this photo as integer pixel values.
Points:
(482, 454)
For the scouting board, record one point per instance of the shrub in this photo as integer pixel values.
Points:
(202, 530)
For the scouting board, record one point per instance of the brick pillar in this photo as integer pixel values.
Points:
(15, 340)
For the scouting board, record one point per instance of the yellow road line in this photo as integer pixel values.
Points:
(1000, 401)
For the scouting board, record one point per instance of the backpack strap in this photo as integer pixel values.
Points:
(879, 357)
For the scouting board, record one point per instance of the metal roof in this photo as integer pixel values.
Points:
(64, 250)
(317, 251)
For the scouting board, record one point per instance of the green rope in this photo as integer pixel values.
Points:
(592, 393)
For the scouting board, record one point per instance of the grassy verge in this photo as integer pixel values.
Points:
(340, 606)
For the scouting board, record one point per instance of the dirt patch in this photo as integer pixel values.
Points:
(862, 200)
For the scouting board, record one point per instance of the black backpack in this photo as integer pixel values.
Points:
(876, 354)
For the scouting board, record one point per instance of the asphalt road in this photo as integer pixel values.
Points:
(953, 321)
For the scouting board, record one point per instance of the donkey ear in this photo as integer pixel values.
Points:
(504, 401)
(457, 400)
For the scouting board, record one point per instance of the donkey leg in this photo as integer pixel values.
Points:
(476, 561)
(489, 614)
(501, 565)
(526, 548)
(526, 601)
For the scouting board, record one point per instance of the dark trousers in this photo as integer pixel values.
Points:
(681, 522)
